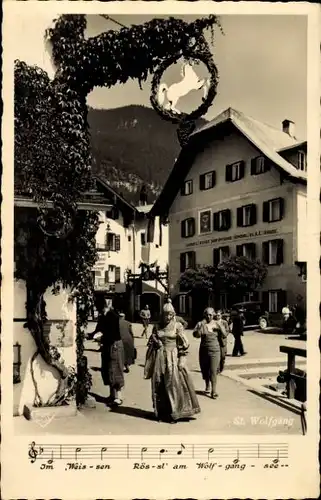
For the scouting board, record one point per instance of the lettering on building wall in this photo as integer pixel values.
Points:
(224, 239)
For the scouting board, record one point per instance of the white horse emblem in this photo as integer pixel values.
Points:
(174, 92)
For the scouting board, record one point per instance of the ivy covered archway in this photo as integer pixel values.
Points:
(55, 245)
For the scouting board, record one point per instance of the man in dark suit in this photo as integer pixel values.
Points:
(237, 330)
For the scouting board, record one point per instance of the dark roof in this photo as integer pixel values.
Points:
(265, 138)
(114, 197)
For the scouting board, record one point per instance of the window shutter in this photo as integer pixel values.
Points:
(183, 189)
(266, 217)
(182, 262)
(281, 208)
(252, 247)
(228, 173)
(253, 166)
(242, 169)
(255, 297)
(216, 257)
(193, 227)
(281, 300)
(193, 260)
(253, 215)
(265, 252)
(239, 217)
(106, 277)
(265, 300)
(183, 229)
(117, 275)
(267, 165)
(216, 221)
(117, 242)
(226, 250)
(279, 255)
(213, 178)
(202, 182)
(109, 241)
(227, 219)
(239, 250)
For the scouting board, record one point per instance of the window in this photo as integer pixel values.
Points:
(222, 220)
(220, 254)
(205, 221)
(187, 188)
(188, 227)
(273, 210)
(188, 261)
(129, 237)
(113, 213)
(111, 274)
(274, 300)
(302, 161)
(207, 180)
(143, 238)
(259, 165)
(113, 242)
(182, 304)
(251, 297)
(117, 274)
(272, 252)
(235, 171)
(246, 250)
(246, 215)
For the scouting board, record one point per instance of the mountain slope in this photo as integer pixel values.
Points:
(132, 146)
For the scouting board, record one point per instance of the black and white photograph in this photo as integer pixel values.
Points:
(161, 234)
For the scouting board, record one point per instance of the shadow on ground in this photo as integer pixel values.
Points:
(133, 412)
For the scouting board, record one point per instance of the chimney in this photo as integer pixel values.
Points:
(289, 128)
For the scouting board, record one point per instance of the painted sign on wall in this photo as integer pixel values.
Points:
(232, 238)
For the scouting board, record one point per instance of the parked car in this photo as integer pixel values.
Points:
(255, 314)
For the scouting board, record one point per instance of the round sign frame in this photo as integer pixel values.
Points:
(168, 115)
(60, 205)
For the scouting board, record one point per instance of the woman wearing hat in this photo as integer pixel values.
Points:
(173, 393)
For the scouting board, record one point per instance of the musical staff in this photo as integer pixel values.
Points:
(209, 452)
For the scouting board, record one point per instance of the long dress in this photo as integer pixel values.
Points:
(173, 392)
(210, 349)
(112, 351)
(126, 334)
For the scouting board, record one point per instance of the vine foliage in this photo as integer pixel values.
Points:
(55, 245)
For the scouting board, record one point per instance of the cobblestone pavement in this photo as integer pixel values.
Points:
(236, 411)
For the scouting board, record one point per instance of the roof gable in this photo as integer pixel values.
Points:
(265, 138)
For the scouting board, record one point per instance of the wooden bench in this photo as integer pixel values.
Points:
(292, 377)
(292, 352)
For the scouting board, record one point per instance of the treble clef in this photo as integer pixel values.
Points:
(33, 453)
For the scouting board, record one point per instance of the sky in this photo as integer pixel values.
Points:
(261, 60)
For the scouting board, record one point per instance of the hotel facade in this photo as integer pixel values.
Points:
(239, 188)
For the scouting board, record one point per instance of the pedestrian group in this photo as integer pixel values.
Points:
(172, 390)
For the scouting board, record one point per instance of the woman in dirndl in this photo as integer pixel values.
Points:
(173, 392)
(112, 354)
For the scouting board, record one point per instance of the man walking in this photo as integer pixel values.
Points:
(145, 317)
(237, 330)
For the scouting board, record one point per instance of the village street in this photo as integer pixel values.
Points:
(236, 411)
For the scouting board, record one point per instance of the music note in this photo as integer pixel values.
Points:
(102, 452)
(161, 452)
(77, 450)
(209, 451)
(50, 461)
(181, 450)
(142, 451)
